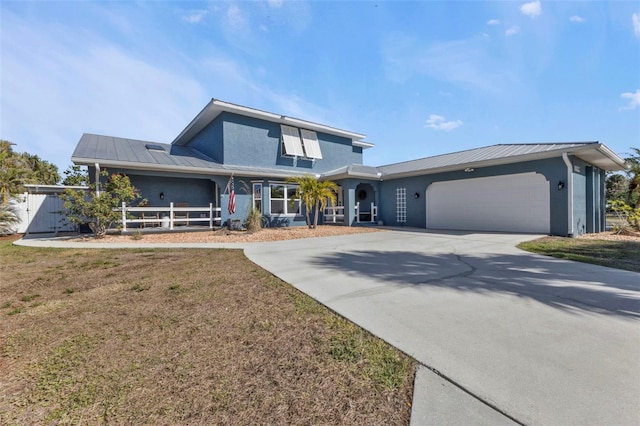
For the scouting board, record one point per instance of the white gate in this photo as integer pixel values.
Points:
(41, 213)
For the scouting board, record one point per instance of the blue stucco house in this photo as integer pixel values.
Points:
(548, 188)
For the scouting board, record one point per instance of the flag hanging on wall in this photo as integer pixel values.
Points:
(232, 198)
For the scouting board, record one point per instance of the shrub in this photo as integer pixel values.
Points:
(254, 220)
(629, 216)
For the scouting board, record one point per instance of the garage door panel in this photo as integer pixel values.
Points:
(511, 203)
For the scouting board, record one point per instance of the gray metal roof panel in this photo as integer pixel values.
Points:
(130, 152)
(477, 155)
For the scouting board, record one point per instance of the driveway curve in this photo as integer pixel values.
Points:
(505, 335)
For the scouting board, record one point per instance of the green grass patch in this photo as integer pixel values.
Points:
(614, 254)
(29, 298)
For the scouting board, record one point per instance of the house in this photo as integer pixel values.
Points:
(556, 188)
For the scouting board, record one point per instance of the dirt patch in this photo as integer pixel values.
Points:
(226, 236)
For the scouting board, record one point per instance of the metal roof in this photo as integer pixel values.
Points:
(136, 154)
(592, 152)
(353, 170)
(132, 153)
(215, 107)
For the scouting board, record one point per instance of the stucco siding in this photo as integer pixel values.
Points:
(553, 170)
(253, 142)
(209, 141)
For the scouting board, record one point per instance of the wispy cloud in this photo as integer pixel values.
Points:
(195, 17)
(465, 63)
(634, 100)
(236, 18)
(635, 18)
(531, 9)
(576, 18)
(512, 30)
(493, 22)
(439, 122)
(275, 3)
(86, 84)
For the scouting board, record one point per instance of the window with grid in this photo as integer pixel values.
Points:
(401, 205)
(283, 199)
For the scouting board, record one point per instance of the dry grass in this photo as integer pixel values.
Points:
(605, 249)
(181, 337)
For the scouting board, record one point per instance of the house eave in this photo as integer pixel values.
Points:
(215, 107)
(224, 170)
(594, 153)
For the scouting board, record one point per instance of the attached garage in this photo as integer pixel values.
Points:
(509, 203)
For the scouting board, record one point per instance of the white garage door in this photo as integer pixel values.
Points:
(510, 203)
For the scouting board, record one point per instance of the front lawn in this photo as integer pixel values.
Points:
(182, 337)
(621, 254)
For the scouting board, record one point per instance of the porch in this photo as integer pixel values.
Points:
(167, 218)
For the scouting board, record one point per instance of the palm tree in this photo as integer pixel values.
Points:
(8, 218)
(325, 192)
(314, 195)
(13, 172)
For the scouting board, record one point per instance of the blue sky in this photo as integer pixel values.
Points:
(418, 78)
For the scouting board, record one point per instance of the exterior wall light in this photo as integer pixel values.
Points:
(162, 195)
(416, 195)
(560, 186)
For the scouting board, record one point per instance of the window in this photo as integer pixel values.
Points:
(311, 145)
(283, 199)
(291, 144)
(300, 143)
(257, 196)
(401, 205)
(154, 147)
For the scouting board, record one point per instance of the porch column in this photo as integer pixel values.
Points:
(349, 205)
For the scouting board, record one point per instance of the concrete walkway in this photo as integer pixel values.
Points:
(503, 336)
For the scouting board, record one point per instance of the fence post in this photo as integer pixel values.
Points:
(171, 215)
(124, 216)
(210, 215)
(373, 212)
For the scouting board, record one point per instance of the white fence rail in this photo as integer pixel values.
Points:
(168, 217)
(334, 214)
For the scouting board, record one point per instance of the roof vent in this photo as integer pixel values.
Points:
(154, 147)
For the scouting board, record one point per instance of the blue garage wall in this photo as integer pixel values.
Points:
(554, 170)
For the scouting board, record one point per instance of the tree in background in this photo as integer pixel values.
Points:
(314, 195)
(98, 210)
(14, 173)
(616, 187)
(76, 176)
(42, 171)
(633, 173)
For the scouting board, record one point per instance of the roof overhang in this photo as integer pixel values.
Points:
(222, 170)
(215, 107)
(594, 153)
(52, 189)
(599, 155)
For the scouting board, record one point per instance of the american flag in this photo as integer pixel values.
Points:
(232, 198)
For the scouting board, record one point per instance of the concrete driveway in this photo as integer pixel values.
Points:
(512, 336)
